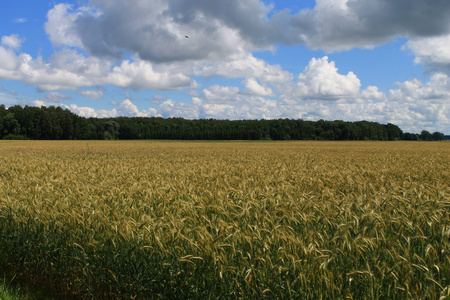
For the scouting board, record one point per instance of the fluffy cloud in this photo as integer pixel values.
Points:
(54, 97)
(433, 52)
(69, 70)
(13, 41)
(140, 75)
(8, 64)
(224, 28)
(436, 89)
(254, 88)
(227, 102)
(126, 108)
(245, 65)
(344, 24)
(425, 104)
(373, 93)
(87, 112)
(156, 31)
(91, 94)
(321, 80)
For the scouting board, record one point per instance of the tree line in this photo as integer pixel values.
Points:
(56, 123)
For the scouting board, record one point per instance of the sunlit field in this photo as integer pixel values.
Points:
(227, 220)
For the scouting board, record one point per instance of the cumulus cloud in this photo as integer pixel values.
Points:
(221, 102)
(344, 24)
(51, 99)
(156, 31)
(226, 28)
(437, 88)
(55, 97)
(87, 112)
(254, 88)
(12, 41)
(373, 93)
(140, 75)
(433, 52)
(125, 108)
(61, 27)
(321, 80)
(91, 94)
(244, 66)
(69, 70)
(8, 64)
(426, 104)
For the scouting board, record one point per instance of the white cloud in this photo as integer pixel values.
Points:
(47, 78)
(54, 97)
(40, 103)
(244, 66)
(20, 20)
(170, 108)
(87, 112)
(223, 29)
(125, 108)
(103, 113)
(344, 24)
(12, 41)
(373, 93)
(155, 31)
(226, 102)
(433, 52)
(51, 99)
(254, 88)
(91, 94)
(70, 70)
(140, 75)
(320, 80)
(437, 88)
(221, 94)
(74, 62)
(61, 27)
(8, 64)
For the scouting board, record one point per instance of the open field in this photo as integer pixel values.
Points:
(227, 220)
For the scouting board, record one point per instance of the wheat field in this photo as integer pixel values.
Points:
(227, 220)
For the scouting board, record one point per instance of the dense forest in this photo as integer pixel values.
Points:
(56, 123)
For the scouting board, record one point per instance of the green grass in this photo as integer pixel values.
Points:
(9, 292)
(11, 289)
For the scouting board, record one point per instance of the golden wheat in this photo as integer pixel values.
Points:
(152, 219)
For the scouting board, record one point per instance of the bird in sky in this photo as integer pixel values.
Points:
(186, 36)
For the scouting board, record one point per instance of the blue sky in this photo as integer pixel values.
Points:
(376, 60)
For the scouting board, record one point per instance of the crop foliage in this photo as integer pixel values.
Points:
(227, 220)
